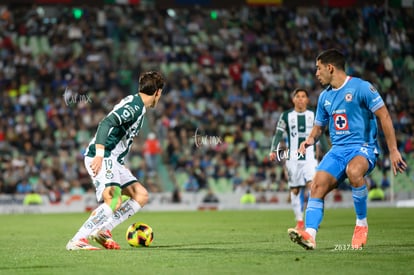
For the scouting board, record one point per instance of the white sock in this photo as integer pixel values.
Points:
(297, 206)
(95, 220)
(311, 232)
(127, 209)
(362, 222)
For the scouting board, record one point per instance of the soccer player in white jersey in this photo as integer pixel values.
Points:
(349, 106)
(296, 124)
(104, 160)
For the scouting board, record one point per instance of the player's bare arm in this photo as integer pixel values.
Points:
(311, 139)
(397, 162)
(275, 143)
(97, 160)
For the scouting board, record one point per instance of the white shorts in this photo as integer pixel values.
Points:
(300, 173)
(112, 173)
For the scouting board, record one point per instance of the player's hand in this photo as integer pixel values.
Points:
(96, 165)
(272, 156)
(305, 144)
(397, 162)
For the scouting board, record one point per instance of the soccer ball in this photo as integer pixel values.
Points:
(139, 234)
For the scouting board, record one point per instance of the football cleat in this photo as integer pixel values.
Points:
(300, 225)
(81, 244)
(104, 238)
(302, 238)
(359, 239)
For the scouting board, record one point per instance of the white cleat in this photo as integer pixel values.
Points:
(81, 244)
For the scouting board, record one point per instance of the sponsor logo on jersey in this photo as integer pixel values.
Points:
(293, 131)
(326, 103)
(372, 89)
(341, 122)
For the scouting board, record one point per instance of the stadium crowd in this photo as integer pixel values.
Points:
(228, 79)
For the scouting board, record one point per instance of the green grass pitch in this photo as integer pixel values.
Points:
(214, 242)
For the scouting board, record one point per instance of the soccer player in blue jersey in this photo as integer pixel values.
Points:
(104, 160)
(349, 107)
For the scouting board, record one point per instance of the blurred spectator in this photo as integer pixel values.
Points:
(23, 187)
(376, 194)
(337, 196)
(385, 182)
(176, 195)
(248, 198)
(191, 185)
(152, 150)
(210, 197)
(32, 198)
(409, 145)
(76, 188)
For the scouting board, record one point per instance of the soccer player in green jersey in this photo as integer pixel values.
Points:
(296, 124)
(104, 160)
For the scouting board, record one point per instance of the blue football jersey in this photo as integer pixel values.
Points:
(349, 111)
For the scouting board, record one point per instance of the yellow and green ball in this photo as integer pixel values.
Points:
(139, 234)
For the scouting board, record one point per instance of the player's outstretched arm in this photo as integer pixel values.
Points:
(311, 139)
(397, 162)
(275, 145)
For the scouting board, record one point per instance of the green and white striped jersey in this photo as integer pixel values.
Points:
(118, 129)
(297, 127)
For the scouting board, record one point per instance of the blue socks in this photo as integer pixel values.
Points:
(314, 213)
(360, 195)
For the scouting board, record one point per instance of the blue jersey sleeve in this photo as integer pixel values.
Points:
(371, 97)
(322, 116)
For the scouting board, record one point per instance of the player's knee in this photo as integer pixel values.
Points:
(319, 189)
(315, 187)
(138, 193)
(295, 190)
(143, 197)
(355, 176)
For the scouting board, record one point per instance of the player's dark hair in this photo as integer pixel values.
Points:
(334, 57)
(297, 90)
(150, 82)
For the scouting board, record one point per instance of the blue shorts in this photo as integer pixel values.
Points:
(337, 159)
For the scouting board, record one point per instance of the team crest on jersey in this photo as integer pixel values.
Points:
(340, 122)
(109, 175)
(348, 97)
